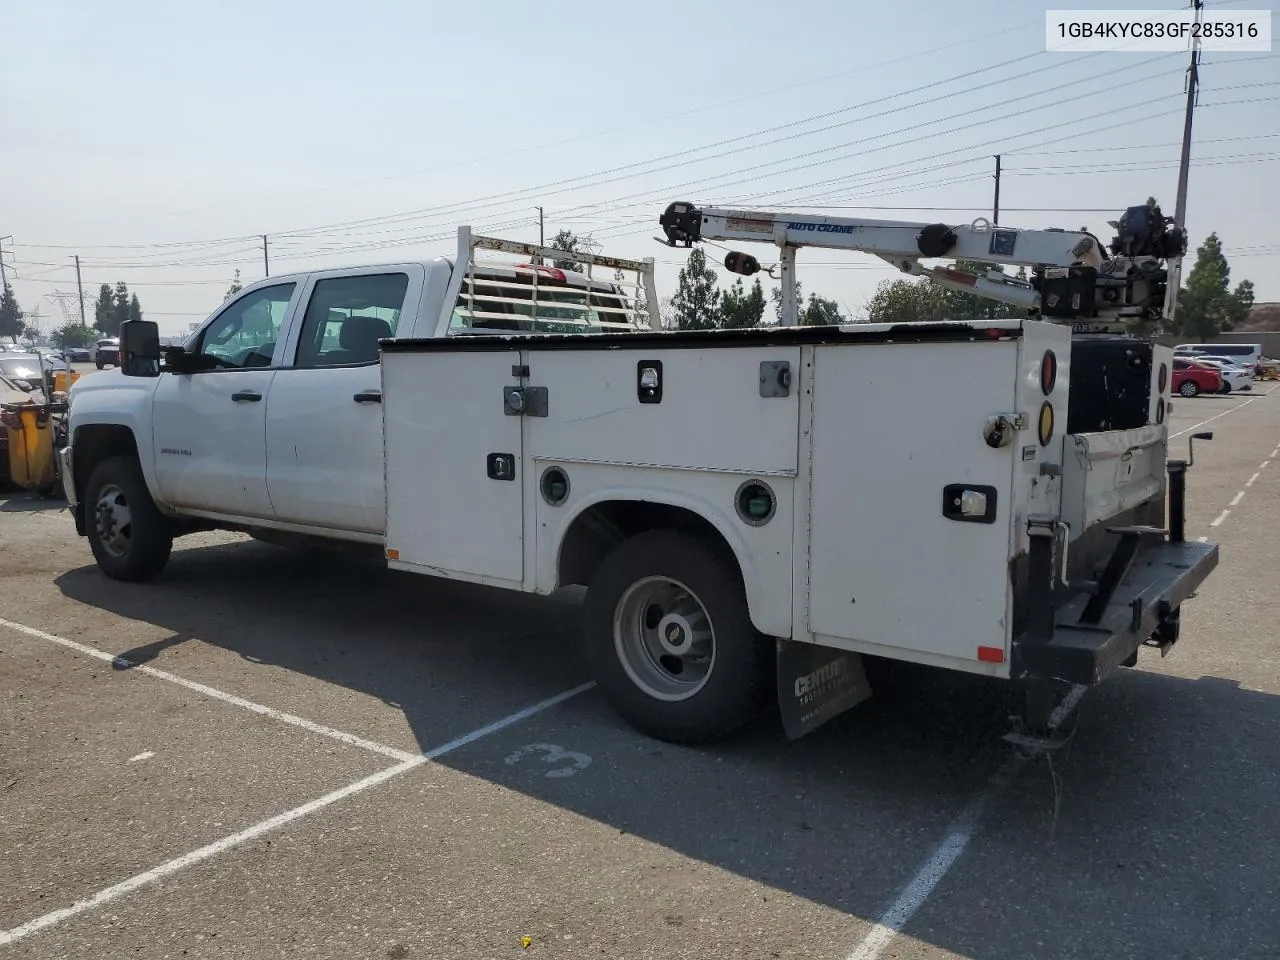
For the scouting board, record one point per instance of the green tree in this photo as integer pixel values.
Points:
(921, 300)
(119, 307)
(104, 309)
(135, 308)
(236, 287)
(1206, 304)
(74, 335)
(11, 325)
(696, 302)
(1240, 305)
(820, 312)
(739, 308)
(775, 297)
(907, 301)
(569, 242)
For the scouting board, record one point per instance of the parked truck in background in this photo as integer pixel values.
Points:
(752, 511)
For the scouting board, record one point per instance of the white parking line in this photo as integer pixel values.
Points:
(931, 872)
(1235, 501)
(348, 738)
(1250, 481)
(145, 755)
(1220, 517)
(265, 826)
(1219, 416)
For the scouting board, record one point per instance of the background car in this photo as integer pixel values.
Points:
(1191, 378)
(23, 368)
(106, 351)
(1249, 353)
(79, 354)
(1237, 374)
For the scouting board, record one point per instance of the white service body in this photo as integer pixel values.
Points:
(856, 462)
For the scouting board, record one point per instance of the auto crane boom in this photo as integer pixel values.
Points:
(1074, 278)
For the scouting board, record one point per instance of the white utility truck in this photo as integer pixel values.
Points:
(751, 510)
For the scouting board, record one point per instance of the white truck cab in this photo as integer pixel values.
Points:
(269, 418)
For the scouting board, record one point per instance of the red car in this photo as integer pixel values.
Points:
(1192, 378)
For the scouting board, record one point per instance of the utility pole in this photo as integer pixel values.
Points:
(995, 211)
(542, 234)
(1184, 165)
(266, 267)
(4, 279)
(80, 291)
(1193, 83)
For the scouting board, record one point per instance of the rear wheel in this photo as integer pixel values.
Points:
(99, 364)
(670, 640)
(130, 538)
(1188, 388)
(1226, 387)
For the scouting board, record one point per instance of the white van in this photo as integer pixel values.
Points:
(1249, 353)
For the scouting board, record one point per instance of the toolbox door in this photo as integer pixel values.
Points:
(455, 504)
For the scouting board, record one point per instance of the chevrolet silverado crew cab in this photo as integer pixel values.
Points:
(752, 511)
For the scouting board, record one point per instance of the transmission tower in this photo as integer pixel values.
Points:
(69, 303)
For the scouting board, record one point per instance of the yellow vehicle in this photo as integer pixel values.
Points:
(29, 430)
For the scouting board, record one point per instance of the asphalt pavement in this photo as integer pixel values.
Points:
(272, 754)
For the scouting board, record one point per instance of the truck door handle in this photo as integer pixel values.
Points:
(368, 396)
(251, 395)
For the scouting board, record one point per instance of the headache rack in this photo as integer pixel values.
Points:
(534, 297)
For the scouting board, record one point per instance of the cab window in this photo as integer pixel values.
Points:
(346, 318)
(245, 334)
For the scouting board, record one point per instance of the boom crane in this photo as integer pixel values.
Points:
(1073, 277)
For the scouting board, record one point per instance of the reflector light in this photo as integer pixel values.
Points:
(991, 655)
(1048, 372)
(1045, 428)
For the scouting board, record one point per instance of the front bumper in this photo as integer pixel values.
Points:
(1160, 578)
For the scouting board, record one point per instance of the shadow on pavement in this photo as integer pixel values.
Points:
(17, 500)
(843, 817)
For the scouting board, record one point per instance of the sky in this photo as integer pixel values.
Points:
(158, 141)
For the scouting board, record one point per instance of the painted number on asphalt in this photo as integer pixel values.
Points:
(553, 754)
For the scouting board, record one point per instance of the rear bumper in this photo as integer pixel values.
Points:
(1161, 577)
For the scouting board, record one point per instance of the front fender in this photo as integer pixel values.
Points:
(110, 399)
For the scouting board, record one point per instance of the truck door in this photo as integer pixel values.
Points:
(209, 426)
(324, 418)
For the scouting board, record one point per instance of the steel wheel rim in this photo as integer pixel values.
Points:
(664, 638)
(112, 520)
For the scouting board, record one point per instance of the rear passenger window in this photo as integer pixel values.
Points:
(346, 318)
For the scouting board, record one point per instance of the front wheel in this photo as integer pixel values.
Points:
(99, 364)
(1225, 388)
(670, 640)
(1188, 388)
(130, 538)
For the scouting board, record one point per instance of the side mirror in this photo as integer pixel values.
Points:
(140, 348)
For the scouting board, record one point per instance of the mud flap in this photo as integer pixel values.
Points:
(816, 684)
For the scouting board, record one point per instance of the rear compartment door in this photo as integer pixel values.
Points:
(895, 426)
